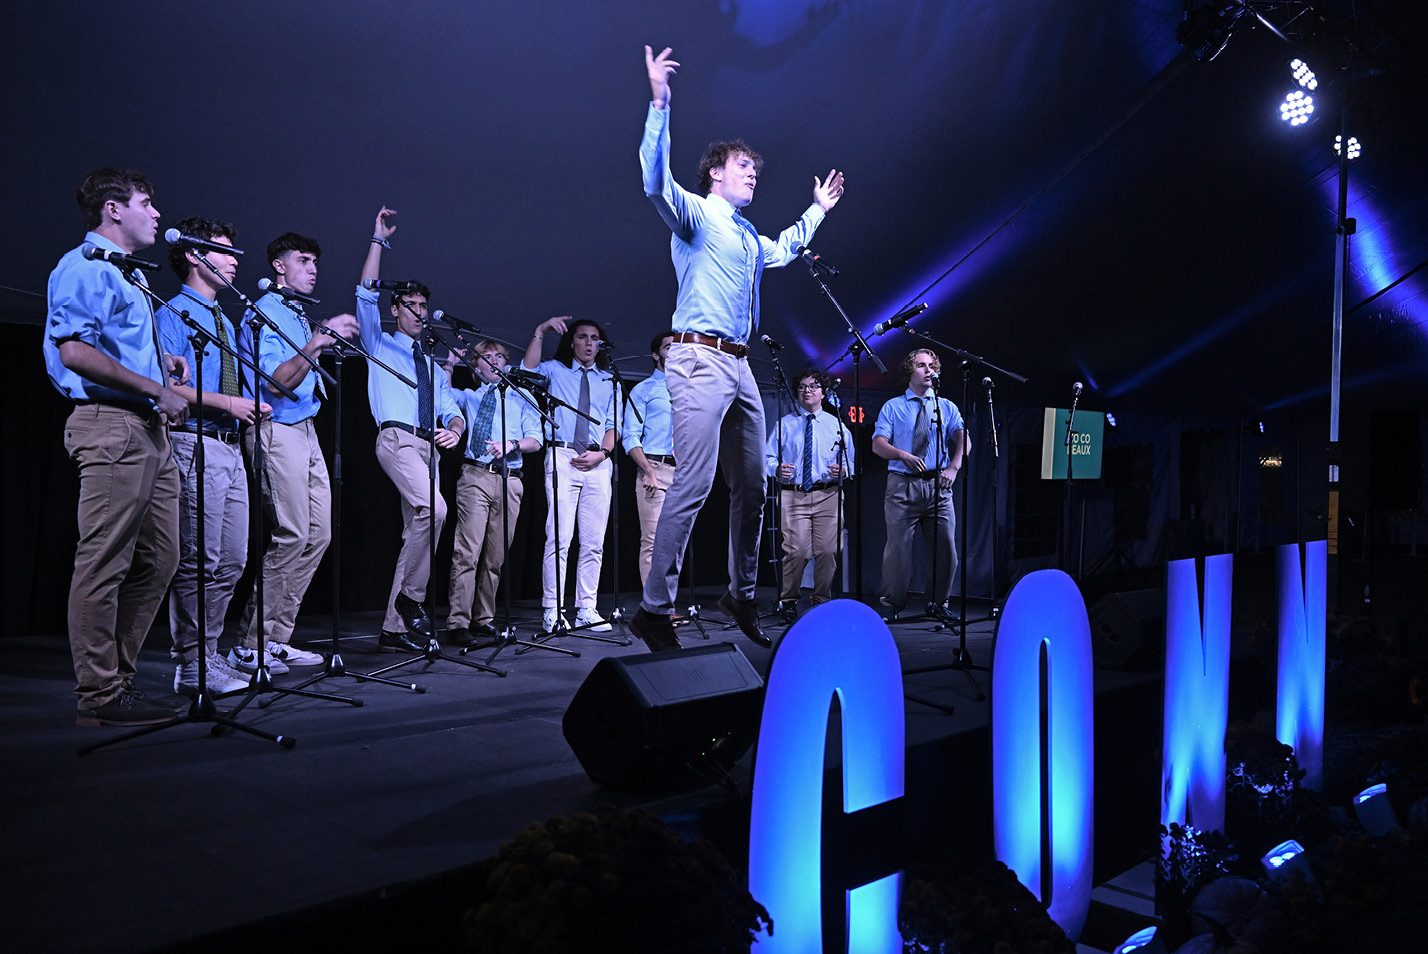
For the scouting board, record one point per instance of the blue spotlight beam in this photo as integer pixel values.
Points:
(1045, 609)
(1299, 716)
(1197, 693)
(841, 647)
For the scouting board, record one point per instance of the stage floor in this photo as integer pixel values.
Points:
(179, 834)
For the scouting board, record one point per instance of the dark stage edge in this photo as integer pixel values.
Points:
(179, 835)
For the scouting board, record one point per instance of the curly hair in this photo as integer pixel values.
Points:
(198, 227)
(720, 153)
(824, 381)
(905, 369)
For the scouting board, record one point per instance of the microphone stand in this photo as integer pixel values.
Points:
(845, 468)
(1069, 520)
(775, 527)
(433, 647)
(201, 708)
(856, 349)
(617, 615)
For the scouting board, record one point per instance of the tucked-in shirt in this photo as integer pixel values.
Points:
(92, 302)
(718, 255)
(175, 336)
(520, 420)
(898, 419)
(273, 351)
(391, 398)
(648, 424)
(565, 384)
(828, 434)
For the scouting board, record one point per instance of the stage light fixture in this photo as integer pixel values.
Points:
(1375, 811)
(1110, 419)
(1205, 30)
(1303, 75)
(1139, 941)
(1297, 108)
(1355, 149)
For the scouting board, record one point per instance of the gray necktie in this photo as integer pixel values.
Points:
(919, 431)
(582, 426)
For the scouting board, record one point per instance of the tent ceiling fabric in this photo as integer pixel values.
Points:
(1118, 212)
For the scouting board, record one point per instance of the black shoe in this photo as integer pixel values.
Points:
(486, 631)
(788, 609)
(127, 708)
(657, 631)
(460, 636)
(746, 614)
(941, 611)
(414, 615)
(398, 643)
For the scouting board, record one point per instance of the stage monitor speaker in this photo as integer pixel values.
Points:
(656, 720)
(1125, 623)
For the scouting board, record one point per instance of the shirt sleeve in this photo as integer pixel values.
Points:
(173, 336)
(679, 209)
(884, 426)
(369, 320)
(77, 297)
(783, 250)
(635, 410)
(771, 450)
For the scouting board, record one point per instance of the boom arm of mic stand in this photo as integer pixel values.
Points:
(209, 339)
(969, 357)
(852, 329)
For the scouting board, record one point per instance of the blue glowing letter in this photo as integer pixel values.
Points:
(1045, 609)
(841, 647)
(1300, 717)
(1197, 694)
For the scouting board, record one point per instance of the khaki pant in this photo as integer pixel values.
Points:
(478, 552)
(224, 543)
(405, 459)
(649, 501)
(128, 543)
(299, 502)
(810, 524)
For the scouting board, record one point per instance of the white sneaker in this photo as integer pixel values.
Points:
(220, 680)
(591, 620)
(548, 621)
(246, 660)
(290, 655)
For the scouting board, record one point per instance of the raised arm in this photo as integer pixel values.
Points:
(679, 209)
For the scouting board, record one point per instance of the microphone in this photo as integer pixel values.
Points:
(378, 284)
(773, 345)
(95, 253)
(449, 318)
(832, 396)
(987, 383)
(1076, 389)
(175, 237)
(899, 319)
(936, 381)
(268, 285)
(605, 346)
(529, 380)
(814, 260)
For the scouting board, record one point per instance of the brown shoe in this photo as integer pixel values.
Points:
(746, 614)
(657, 631)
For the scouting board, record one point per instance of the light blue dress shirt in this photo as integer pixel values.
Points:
(648, 421)
(565, 384)
(520, 422)
(718, 255)
(174, 336)
(827, 433)
(92, 302)
(391, 399)
(273, 351)
(898, 418)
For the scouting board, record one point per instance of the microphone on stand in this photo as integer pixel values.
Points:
(529, 380)
(378, 284)
(814, 260)
(175, 237)
(95, 253)
(773, 345)
(451, 319)
(1076, 390)
(268, 285)
(987, 383)
(899, 319)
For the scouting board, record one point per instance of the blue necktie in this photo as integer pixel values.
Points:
(423, 376)
(808, 454)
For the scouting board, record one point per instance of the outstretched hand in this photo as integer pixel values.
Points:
(827, 194)
(382, 230)
(660, 68)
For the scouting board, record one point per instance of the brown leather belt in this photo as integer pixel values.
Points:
(421, 432)
(660, 459)
(718, 344)
(226, 436)
(491, 467)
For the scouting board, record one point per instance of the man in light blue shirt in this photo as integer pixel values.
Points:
(577, 464)
(295, 479)
(810, 455)
(488, 493)
(719, 259)
(409, 422)
(649, 440)
(224, 543)
(923, 439)
(101, 351)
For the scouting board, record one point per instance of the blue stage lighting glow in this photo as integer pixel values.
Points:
(1045, 609)
(1299, 716)
(1297, 107)
(1197, 694)
(841, 647)
(1303, 75)
(1282, 853)
(1370, 792)
(1137, 941)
